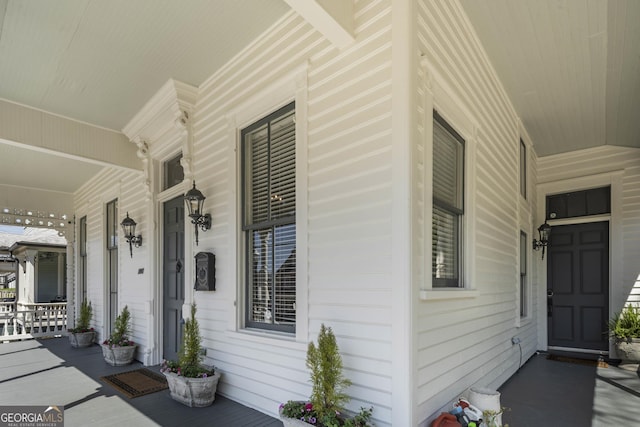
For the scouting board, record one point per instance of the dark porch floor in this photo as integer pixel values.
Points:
(561, 394)
(50, 372)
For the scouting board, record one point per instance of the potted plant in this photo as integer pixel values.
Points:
(82, 335)
(119, 349)
(325, 407)
(190, 382)
(624, 328)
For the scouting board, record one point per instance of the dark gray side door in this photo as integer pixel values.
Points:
(173, 276)
(578, 287)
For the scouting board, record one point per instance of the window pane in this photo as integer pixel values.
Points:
(273, 275)
(523, 169)
(173, 172)
(448, 153)
(283, 166)
(257, 152)
(285, 274)
(445, 250)
(112, 224)
(83, 236)
(260, 276)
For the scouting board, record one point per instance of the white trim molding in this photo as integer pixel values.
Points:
(438, 96)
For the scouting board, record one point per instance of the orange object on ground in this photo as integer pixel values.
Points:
(446, 420)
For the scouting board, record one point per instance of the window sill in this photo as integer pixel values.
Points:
(445, 294)
(524, 321)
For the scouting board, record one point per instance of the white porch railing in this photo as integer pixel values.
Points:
(33, 321)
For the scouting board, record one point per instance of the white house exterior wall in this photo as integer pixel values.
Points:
(133, 289)
(464, 338)
(347, 226)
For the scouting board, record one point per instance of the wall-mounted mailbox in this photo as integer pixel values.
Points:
(205, 272)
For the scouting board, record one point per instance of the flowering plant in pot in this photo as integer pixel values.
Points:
(190, 382)
(624, 328)
(119, 349)
(82, 335)
(325, 407)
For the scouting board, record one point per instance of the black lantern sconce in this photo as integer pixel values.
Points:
(543, 232)
(129, 229)
(195, 201)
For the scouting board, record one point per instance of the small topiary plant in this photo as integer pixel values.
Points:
(328, 382)
(121, 330)
(325, 408)
(190, 357)
(84, 318)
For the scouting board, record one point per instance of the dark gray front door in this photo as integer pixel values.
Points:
(173, 267)
(578, 286)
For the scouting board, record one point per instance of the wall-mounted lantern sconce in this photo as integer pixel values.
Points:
(195, 201)
(129, 229)
(543, 232)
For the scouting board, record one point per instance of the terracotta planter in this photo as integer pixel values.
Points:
(118, 356)
(193, 392)
(81, 339)
(629, 352)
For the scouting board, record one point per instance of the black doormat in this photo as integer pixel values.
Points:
(588, 362)
(136, 383)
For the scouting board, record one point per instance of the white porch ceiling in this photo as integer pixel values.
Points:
(571, 67)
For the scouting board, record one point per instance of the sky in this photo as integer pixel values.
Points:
(11, 229)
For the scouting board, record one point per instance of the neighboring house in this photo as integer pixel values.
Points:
(387, 189)
(37, 264)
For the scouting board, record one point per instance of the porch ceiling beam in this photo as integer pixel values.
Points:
(38, 130)
(332, 18)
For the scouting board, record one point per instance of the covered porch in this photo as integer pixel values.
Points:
(50, 372)
(542, 393)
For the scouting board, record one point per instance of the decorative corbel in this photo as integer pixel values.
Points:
(143, 155)
(184, 124)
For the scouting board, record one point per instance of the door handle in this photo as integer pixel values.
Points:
(178, 267)
(549, 302)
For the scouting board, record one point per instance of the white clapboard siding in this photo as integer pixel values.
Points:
(134, 289)
(467, 342)
(603, 160)
(349, 210)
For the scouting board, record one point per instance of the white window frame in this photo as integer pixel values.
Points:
(291, 87)
(437, 95)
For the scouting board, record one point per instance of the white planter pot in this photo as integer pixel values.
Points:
(118, 356)
(629, 352)
(486, 399)
(81, 339)
(193, 392)
(292, 422)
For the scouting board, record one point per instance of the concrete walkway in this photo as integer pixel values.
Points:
(547, 393)
(51, 372)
